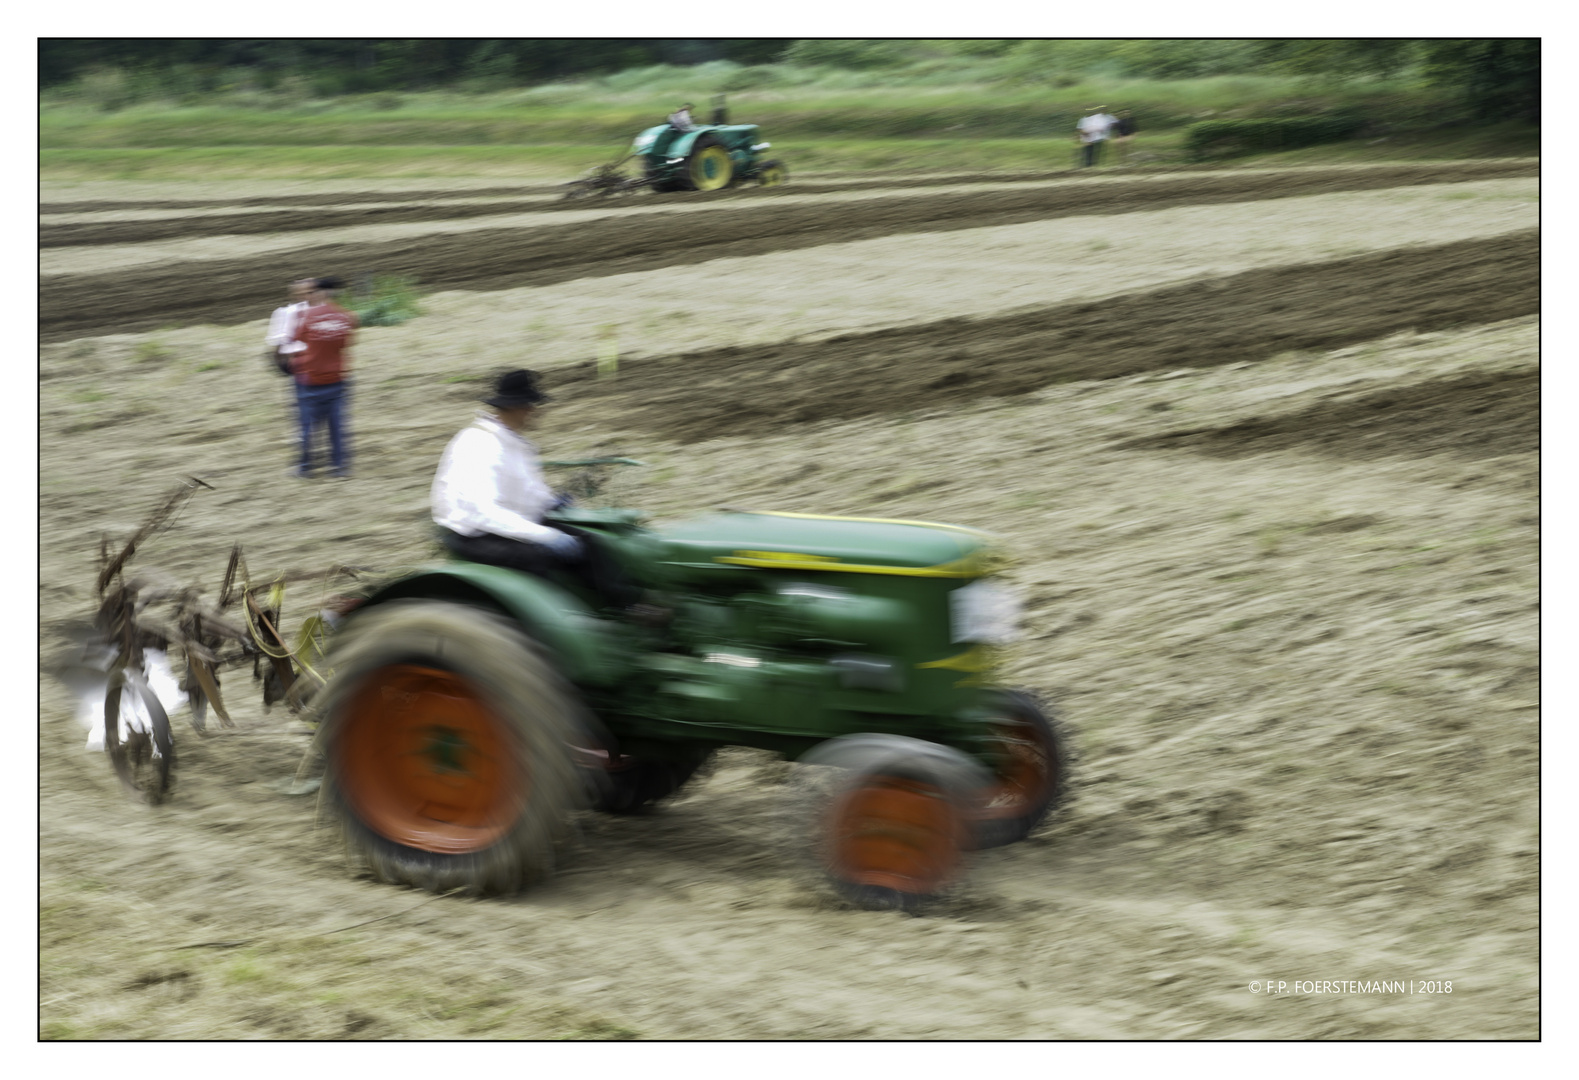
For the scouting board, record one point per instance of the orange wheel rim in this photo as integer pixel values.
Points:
(895, 833)
(423, 760)
(1025, 777)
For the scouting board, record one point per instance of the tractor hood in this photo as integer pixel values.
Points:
(663, 139)
(800, 542)
(645, 140)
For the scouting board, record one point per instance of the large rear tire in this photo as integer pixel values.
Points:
(709, 167)
(448, 737)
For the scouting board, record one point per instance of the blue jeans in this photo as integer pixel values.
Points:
(324, 405)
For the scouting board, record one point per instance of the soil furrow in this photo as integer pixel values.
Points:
(1402, 174)
(1098, 198)
(801, 185)
(227, 290)
(92, 205)
(1473, 416)
(1247, 317)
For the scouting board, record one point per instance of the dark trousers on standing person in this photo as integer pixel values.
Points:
(324, 406)
(1091, 153)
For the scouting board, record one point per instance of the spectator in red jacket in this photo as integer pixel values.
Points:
(327, 330)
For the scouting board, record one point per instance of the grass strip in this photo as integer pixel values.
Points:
(551, 162)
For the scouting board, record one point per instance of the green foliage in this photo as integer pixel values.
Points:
(388, 300)
(752, 78)
(491, 67)
(107, 89)
(1051, 61)
(1499, 79)
(363, 65)
(979, 46)
(1185, 59)
(1234, 138)
(1378, 57)
(853, 53)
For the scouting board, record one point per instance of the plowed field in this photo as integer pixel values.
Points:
(1263, 446)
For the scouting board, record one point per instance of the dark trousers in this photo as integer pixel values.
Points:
(1091, 153)
(594, 569)
(324, 406)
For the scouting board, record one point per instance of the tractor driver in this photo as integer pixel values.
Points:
(489, 495)
(680, 119)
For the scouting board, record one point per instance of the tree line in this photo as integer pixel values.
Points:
(357, 65)
(1499, 77)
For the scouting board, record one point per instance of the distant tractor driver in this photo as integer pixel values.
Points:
(681, 120)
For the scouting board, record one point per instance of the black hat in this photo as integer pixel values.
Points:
(516, 390)
(330, 282)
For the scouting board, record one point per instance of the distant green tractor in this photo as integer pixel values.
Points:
(706, 158)
(473, 708)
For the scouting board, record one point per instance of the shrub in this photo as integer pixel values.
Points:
(1232, 138)
(388, 300)
(106, 89)
(750, 78)
(980, 46)
(856, 53)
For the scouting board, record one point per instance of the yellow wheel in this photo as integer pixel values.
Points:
(710, 167)
(772, 174)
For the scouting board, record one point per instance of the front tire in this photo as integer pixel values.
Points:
(1031, 775)
(772, 174)
(448, 739)
(892, 830)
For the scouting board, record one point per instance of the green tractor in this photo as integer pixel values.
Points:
(707, 158)
(704, 158)
(473, 709)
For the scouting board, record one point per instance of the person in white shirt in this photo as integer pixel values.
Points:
(489, 495)
(281, 338)
(1091, 132)
(681, 120)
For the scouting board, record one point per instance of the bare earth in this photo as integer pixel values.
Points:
(1283, 589)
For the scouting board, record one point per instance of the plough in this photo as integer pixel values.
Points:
(605, 180)
(122, 672)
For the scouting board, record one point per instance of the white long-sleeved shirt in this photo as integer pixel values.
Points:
(282, 328)
(489, 481)
(1096, 127)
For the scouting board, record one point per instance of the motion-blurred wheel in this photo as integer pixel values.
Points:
(1031, 773)
(448, 738)
(137, 735)
(892, 832)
